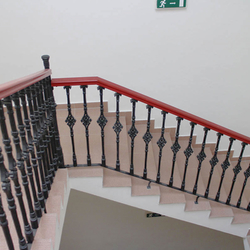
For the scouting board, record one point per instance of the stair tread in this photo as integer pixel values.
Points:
(47, 228)
(240, 216)
(57, 189)
(112, 178)
(139, 188)
(202, 205)
(171, 196)
(54, 205)
(91, 171)
(220, 210)
(42, 244)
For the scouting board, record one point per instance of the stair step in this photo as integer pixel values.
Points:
(139, 188)
(171, 196)
(240, 216)
(42, 244)
(85, 172)
(54, 205)
(191, 205)
(112, 178)
(219, 210)
(47, 228)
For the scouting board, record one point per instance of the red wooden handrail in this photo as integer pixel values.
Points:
(150, 101)
(12, 87)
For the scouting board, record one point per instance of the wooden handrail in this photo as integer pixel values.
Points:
(150, 101)
(9, 88)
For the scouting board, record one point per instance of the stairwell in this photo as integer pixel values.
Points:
(137, 192)
(133, 191)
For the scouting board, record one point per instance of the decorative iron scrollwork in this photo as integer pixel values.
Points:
(86, 120)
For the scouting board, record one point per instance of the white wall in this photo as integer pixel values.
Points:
(196, 58)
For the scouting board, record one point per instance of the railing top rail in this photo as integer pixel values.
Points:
(150, 101)
(9, 88)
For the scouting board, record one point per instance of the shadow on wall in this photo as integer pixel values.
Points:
(95, 223)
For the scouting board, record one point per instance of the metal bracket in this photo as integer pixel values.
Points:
(196, 201)
(149, 187)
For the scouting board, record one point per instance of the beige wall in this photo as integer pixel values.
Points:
(94, 223)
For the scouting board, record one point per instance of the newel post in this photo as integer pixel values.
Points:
(58, 154)
(45, 59)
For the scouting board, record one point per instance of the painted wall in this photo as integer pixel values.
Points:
(96, 223)
(195, 58)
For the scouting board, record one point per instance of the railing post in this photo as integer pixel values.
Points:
(201, 157)
(161, 143)
(213, 162)
(86, 120)
(188, 152)
(147, 138)
(102, 121)
(51, 98)
(175, 148)
(117, 128)
(132, 133)
(70, 120)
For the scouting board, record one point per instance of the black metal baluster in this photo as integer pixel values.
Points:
(224, 166)
(59, 155)
(12, 207)
(36, 140)
(213, 163)
(14, 177)
(39, 138)
(25, 153)
(188, 152)
(4, 224)
(175, 148)
(117, 128)
(102, 121)
(147, 138)
(51, 127)
(86, 120)
(43, 130)
(70, 120)
(47, 128)
(161, 143)
(20, 161)
(247, 175)
(31, 148)
(201, 157)
(58, 149)
(236, 170)
(132, 133)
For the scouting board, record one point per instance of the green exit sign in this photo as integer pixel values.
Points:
(161, 4)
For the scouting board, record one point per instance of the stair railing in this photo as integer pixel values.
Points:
(165, 109)
(27, 112)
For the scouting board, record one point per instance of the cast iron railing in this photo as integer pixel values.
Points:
(28, 113)
(165, 110)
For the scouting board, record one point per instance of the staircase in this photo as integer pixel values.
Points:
(114, 156)
(107, 183)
